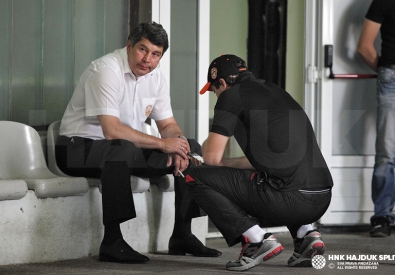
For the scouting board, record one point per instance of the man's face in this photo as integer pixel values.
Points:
(143, 57)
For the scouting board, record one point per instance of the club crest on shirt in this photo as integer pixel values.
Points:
(214, 72)
(148, 110)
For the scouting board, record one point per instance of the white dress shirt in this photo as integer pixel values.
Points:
(108, 87)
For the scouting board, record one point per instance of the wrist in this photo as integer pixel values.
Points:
(183, 137)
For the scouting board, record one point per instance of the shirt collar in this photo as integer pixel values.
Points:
(244, 76)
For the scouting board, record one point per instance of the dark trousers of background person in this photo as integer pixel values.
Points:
(236, 199)
(114, 161)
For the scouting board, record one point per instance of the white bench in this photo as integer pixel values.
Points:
(49, 222)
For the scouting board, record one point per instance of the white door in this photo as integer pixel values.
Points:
(342, 110)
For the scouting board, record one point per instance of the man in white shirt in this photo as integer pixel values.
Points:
(101, 136)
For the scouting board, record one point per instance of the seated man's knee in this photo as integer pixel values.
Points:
(120, 150)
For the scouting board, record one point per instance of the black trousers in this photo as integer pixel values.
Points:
(113, 161)
(236, 199)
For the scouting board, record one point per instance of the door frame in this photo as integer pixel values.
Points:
(161, 12)
(319, 16)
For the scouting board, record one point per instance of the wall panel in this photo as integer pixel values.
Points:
(44, 48)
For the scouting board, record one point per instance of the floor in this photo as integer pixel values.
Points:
(376, 256)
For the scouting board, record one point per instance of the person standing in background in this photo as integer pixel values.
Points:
(381, 18)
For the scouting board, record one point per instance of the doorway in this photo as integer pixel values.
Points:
(343, 111)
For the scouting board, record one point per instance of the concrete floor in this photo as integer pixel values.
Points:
(339, 244)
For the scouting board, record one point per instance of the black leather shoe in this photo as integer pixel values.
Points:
(120, 252)
(191, 245)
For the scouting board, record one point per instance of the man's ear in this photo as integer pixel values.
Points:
(223, 83)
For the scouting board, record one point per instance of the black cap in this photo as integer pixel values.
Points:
(222, 67)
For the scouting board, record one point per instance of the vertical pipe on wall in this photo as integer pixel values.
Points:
(271, 66)
(104, 27)
(134, 7)
(11, 46)
(255, 37)
(40, 103)
(74, 50)
(72, 75)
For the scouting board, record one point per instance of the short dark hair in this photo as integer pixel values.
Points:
(154, 32)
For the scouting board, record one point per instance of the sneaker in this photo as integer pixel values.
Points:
(252, 254)
(306, 248)
(381, 227)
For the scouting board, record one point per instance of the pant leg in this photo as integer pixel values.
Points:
(236, 200)
(185, 207)
(114, 161)
(299, 208)
(222, 193)
(383, 185)
(117, 196)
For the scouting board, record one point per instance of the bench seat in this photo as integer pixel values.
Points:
(22, 158)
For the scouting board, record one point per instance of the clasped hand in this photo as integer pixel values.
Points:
(177, 148)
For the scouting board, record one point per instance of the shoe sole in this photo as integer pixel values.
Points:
(190, 246)
(183, 253)
(264, 257)
(177, 252)
(109, 259)
(379, 234)
(317, 248)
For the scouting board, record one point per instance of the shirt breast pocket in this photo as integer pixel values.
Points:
(147, 107)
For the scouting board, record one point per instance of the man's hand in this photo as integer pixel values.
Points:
(180, 164)
(170, 143)
(178, 146)
(177, 149)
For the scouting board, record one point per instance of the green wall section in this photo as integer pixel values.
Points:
(294, 82)
(229, 32)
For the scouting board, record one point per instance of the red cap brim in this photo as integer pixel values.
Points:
(205, 88)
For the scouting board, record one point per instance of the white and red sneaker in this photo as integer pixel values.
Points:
(306, 248)
(252, 254)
